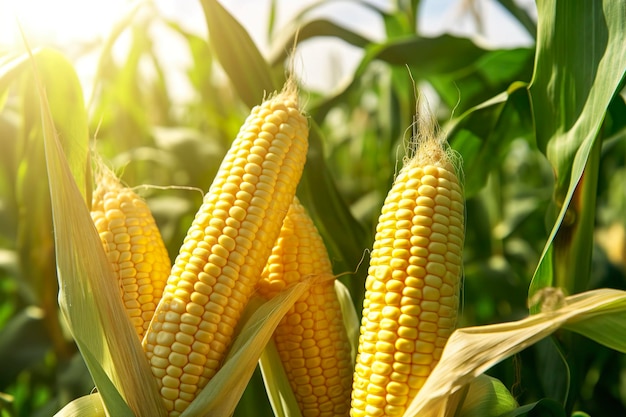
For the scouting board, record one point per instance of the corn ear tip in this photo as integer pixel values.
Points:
(289, 92)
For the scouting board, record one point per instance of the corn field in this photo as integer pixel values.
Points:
(526, 145)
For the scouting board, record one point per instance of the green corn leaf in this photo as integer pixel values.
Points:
(312, 29)
(221, 120)
(430, 57)
(488, 76)
(106, 52)
(221, 395)
(254, 400)
(573, 243)
(88, 291)
(570, 93)
(35, 242)
(482, 134)
(27, 219)
(486, 397)
(544, 274)
(248, 71)
(121, 110)
(431, 54)
(542, 408)
(553, 370)
(471, 351)
(28, 170)
(27, 327)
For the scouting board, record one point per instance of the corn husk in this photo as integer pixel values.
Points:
(88, 294)
(221, 395)
(88, 405)
(279, 391)
(598, 314)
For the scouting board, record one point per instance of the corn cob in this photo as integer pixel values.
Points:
(133, 245)
(311, 339)
(412, 288)
(226, 248)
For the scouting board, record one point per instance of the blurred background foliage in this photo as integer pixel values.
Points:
(170, 150)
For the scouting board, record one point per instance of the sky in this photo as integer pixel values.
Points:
(324, 63)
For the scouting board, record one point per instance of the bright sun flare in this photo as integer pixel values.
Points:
(58, 22)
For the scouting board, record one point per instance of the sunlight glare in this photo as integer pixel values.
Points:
(56, 23)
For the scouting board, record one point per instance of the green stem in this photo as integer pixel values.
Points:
(573, 243)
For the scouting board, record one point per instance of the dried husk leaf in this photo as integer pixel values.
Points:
(471, 351)
(486, 397)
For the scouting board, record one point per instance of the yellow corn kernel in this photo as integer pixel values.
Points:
(133, 245)
(227, 246)
(317, 362)
(412, 288)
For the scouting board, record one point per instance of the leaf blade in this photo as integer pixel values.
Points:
(570, 93)
(238, 55)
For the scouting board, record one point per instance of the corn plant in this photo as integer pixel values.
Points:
(494, 285)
